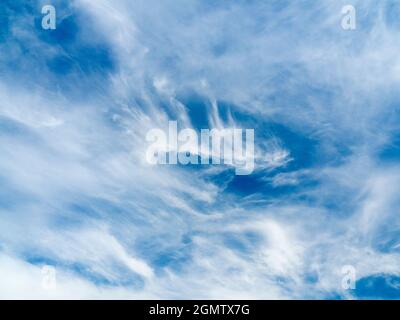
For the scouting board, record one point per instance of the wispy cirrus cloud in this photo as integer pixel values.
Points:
(77, 193)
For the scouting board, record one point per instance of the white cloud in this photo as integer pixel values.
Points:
(322, 83)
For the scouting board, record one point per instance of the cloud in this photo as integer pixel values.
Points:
(77, 193)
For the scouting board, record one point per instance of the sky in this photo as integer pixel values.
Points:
(77, 194)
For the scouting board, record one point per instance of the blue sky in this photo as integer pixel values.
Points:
(76, 192)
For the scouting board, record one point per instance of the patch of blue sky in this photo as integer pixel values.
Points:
(388, 239)
(390, 152)
(302, 152)
(168, 252)
(35, 258)
(244, 242)
(380, 286)
(174, 258)
(198, 109)
(65, 59)
(256, 185)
